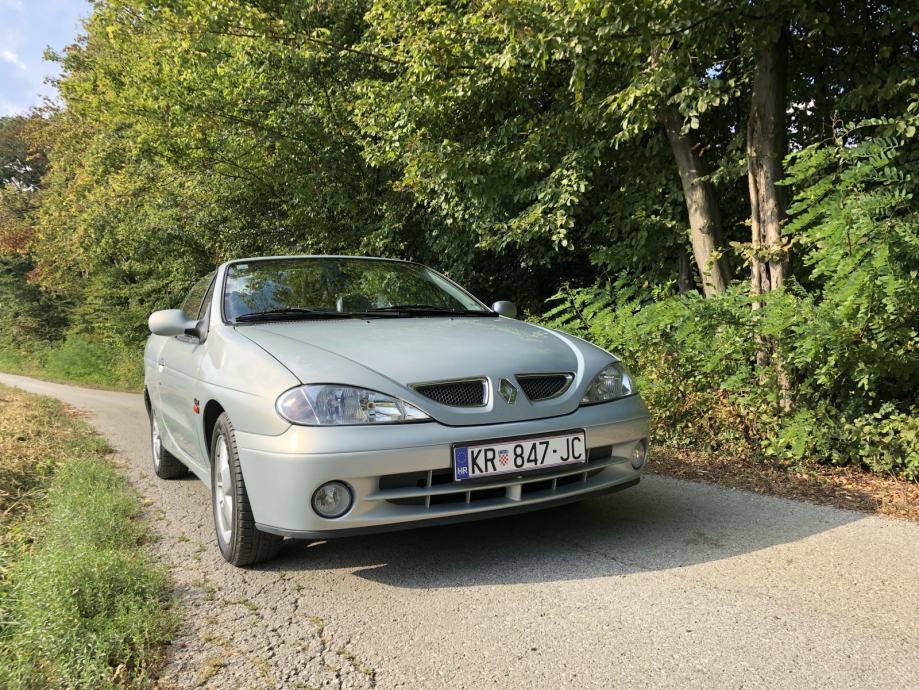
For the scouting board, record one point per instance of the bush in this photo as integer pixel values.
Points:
(887, 440)
(77, 359)
(694, 362)
(84, 360)
(12, 360)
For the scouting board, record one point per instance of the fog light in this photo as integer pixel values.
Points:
(639, 454)
(332, 499)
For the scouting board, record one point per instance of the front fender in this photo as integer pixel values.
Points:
(245, 380)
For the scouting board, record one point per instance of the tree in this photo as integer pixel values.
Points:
(526, 119)
(637, 150)
(22, 167)
(765, 152)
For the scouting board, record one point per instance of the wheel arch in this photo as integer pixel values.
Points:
(212, 412)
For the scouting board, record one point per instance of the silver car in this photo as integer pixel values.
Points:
(324, 396)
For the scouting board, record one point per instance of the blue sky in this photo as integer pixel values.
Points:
(27, 27)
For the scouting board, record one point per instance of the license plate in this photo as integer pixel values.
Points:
(518, 456)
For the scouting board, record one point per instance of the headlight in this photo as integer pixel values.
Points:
(325, 404)
(611, 383)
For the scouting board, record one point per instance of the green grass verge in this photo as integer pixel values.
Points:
(77, 359)
(82, 604)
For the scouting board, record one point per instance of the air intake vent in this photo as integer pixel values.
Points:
(544, 386)
(465, 393)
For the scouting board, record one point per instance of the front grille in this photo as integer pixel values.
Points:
(436, 487)
(544, 386)
(466, 393)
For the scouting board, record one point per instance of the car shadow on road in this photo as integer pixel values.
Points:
(659, 525)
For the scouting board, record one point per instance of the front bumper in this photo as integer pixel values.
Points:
(401, 475)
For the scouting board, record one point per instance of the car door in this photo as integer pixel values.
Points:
(179, 365)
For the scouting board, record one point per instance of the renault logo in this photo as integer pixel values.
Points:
(508, 391)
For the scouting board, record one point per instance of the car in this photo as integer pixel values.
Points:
(327, 396)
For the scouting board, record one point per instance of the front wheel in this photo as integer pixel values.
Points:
(241, 543)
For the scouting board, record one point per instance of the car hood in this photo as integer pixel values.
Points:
(390, 355)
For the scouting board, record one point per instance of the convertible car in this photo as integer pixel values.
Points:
(324, 396)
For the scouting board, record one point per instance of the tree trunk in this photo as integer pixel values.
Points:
(701, 203)
(765, 150)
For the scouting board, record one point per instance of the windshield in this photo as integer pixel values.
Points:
(332, 286)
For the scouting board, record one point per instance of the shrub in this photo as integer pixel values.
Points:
(694, 362)
(82, 359)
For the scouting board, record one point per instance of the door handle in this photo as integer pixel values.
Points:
(161, 362)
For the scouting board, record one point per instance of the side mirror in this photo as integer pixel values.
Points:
(171, 322)
(505, 308)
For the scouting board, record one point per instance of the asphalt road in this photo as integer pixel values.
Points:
(668, 584)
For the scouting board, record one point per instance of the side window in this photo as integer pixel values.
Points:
(195, 298)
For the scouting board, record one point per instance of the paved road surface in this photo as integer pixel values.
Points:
(668, 584)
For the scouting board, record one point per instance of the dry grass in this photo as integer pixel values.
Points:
(842, 487)
(33, 434)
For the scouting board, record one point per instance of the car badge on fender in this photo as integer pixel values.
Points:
(508, 391)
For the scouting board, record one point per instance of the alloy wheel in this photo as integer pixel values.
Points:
(156, 441)
(223, 493)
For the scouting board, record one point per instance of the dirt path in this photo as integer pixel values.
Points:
(671, 583)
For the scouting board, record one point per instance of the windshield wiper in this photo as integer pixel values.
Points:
(429, 310)
(393, 311)
(293, 314)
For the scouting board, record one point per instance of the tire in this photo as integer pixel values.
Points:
(240, 542)
(165, 464)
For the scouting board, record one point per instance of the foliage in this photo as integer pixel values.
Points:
(191, 137)
(857, 228)
(27, 317)
(848, 328)
(22, 168)
(81, 359)
(514, 145)
(81, 604)
(489, 126)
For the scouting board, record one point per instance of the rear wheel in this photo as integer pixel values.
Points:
(165, 464)
(241, 543)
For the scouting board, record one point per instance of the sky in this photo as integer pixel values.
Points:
(27, 28)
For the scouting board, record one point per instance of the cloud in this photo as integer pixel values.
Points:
(26, 28)
(10, 57)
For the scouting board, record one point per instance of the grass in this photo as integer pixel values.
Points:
(247, 603)
(82, 605)
(77, 359)
(211, 668)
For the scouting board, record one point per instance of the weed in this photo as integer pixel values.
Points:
(251, 605)
(211, 668)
